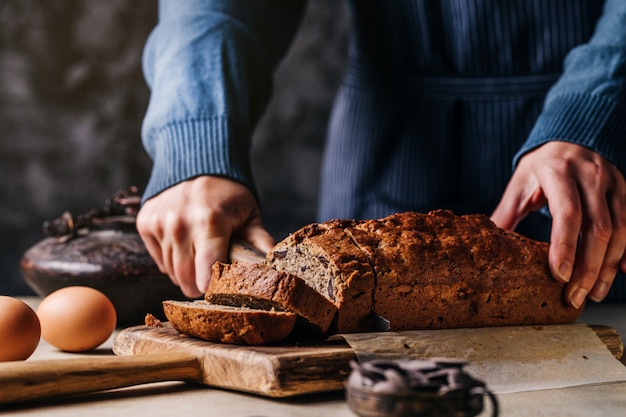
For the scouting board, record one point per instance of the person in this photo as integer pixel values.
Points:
(440, 100)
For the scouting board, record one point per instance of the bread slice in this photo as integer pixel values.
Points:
(261, 287)
(226, 324)
(327, 258)
(426, 271)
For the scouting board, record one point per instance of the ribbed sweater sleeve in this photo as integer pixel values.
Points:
(587, 105)
(209, 67)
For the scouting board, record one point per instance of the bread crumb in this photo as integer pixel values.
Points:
(152, 321)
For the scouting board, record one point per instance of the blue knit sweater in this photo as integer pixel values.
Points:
(209, 66)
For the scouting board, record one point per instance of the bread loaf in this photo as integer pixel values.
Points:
(418, 271)
(425, 271)
(261, 287)
(226, 324)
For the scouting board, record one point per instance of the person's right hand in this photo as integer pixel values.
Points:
(586, 195)
(188, 227)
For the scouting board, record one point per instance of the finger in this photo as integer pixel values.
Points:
(168, 262)
(595, 237)
(508, 212)
(566, 208)
(615, 250)
(176, 250)
(520, 198)
(258, 237)
(149, 229)
(184, 271)
(208, 251)
(607, 273)
(154, 250)
(505, 215)
(623, 261)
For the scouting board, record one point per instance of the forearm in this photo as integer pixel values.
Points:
(209, 65)
(588, 104)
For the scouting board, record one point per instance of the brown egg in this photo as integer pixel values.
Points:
(19, 330)
(76, 319)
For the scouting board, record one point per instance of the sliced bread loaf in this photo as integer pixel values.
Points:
(226, 324)
(261, 287)
(425, 271)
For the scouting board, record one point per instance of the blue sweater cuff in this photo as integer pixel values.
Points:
(191, 148)
(585, 119)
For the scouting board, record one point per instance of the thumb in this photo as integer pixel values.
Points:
(258, 236)
(519, 199)
(505, 215)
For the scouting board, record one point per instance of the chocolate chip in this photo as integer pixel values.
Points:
(279, 254)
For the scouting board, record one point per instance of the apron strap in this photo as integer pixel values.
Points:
(450, 88)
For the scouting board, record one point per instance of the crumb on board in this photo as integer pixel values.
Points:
(152, 321)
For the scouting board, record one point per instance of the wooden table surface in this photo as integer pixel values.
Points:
(182, 399)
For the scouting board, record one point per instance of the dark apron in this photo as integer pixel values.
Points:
(432, 143)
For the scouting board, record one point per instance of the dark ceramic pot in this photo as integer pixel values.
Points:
(105, 252)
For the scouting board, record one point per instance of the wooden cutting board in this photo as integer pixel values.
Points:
(155, 354)
(273, 371)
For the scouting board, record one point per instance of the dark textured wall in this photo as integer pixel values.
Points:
(72, 98)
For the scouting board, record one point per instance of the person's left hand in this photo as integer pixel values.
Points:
(586, 195)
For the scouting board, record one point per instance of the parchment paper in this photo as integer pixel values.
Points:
(507, 359)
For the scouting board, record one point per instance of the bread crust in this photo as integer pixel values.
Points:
(226, 324)
(262, 287)
(443, 271)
